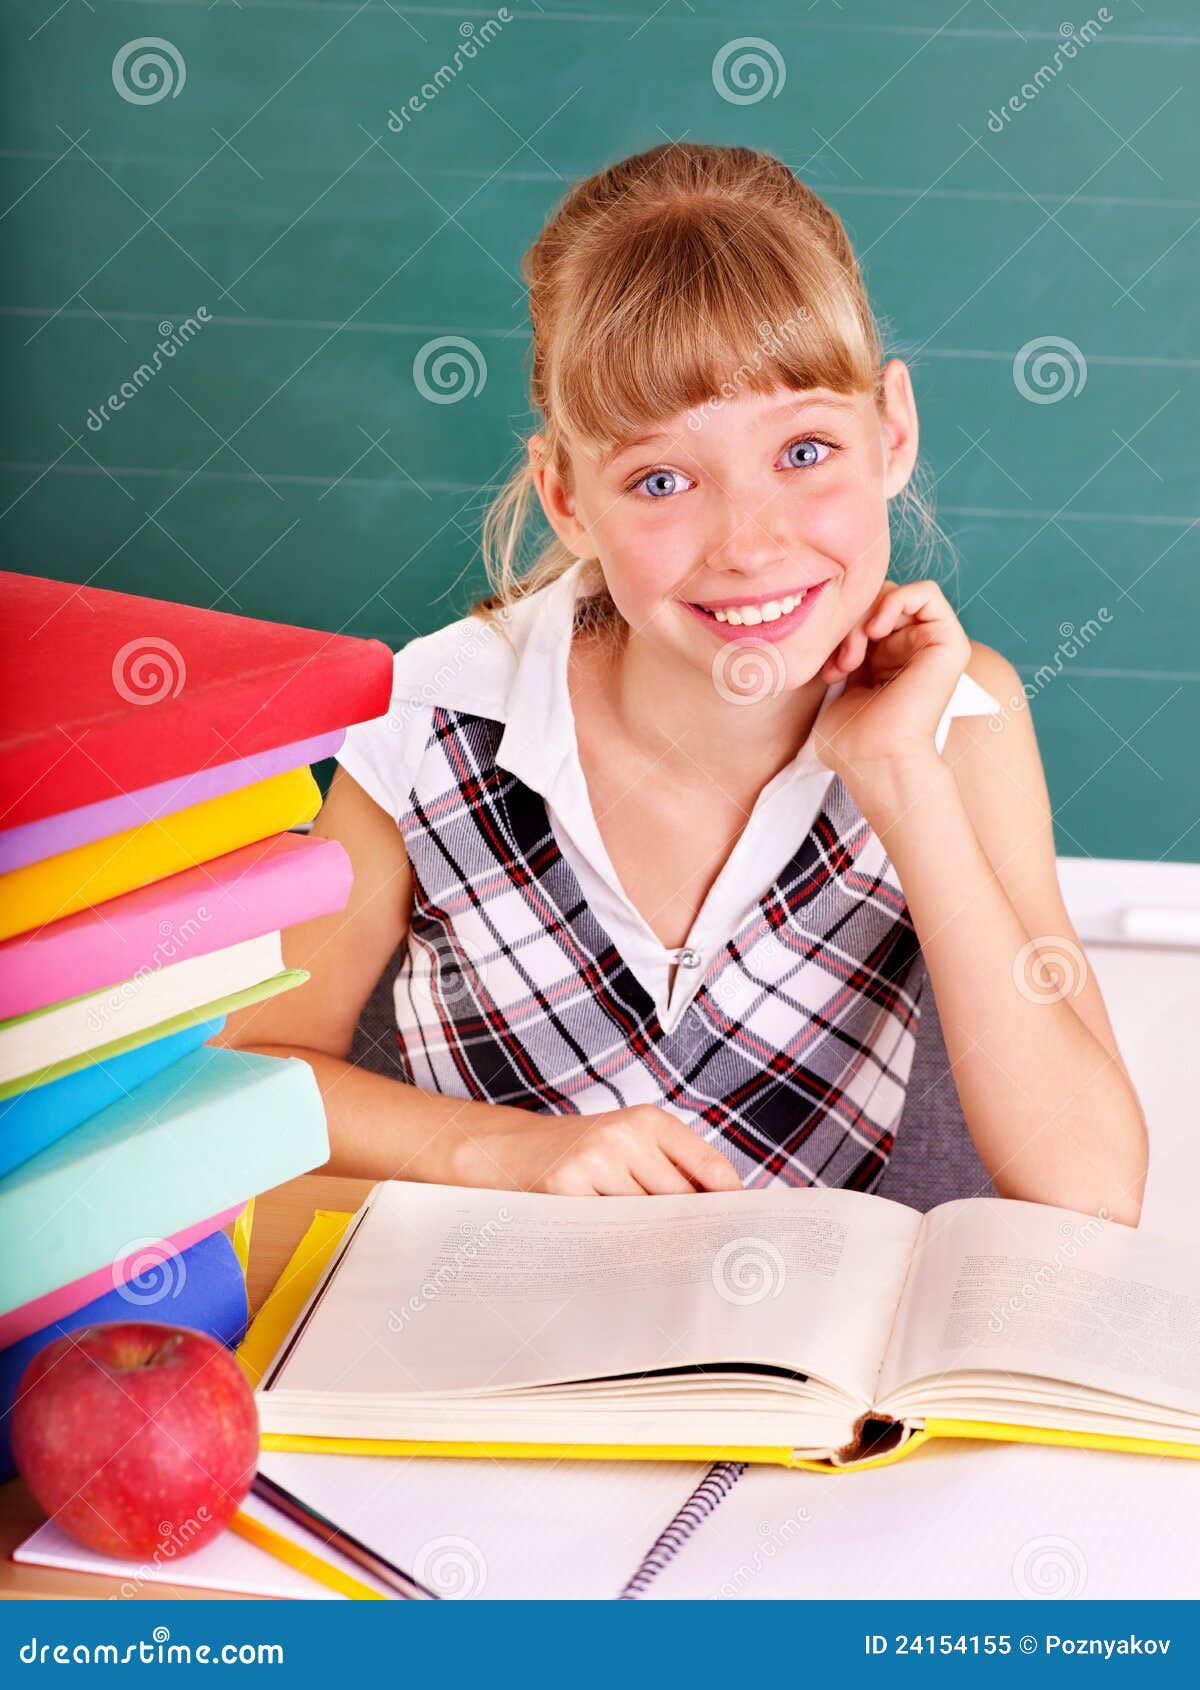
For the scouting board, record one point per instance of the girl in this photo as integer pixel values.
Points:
(677, 821)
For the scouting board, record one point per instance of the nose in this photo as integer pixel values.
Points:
(751, 535)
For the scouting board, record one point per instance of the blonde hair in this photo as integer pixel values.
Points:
(659, 283)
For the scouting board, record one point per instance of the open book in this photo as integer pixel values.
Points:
(798, 1326)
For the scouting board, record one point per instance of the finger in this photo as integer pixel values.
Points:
(660, 1177)
(920, 601)
(852, 650)
(845, 657)
(894, 650)
(618, 1182)
(703, 1165)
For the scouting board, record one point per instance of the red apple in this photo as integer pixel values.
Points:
(136, 1438)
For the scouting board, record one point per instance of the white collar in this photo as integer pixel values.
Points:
(538, 743)
(519, 678)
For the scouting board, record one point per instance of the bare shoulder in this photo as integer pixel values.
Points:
(994, 673)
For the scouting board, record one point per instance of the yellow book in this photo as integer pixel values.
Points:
(819, 1329)
(90, 874)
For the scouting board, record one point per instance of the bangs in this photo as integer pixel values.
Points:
(697, 303)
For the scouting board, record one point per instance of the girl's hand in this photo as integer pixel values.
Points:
(901, 665)
(643, 1151)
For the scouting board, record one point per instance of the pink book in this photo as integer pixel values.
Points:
(56, 1305)
(258, 889)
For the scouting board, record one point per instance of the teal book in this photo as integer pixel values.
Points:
(198, 1138)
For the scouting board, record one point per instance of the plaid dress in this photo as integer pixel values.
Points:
(792, 1057)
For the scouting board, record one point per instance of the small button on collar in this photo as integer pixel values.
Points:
(687, 957)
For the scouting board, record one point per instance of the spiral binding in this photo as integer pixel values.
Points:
(711, 1490)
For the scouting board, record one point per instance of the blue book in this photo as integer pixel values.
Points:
(33, 1119)
(201, 1287)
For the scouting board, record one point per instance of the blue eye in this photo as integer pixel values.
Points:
(810, 448)
(664, 483)
(660, 483)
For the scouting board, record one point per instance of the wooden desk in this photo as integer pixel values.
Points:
(281, 1218)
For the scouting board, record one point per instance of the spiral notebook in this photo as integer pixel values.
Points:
(550, 1539)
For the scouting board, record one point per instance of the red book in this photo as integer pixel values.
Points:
(103, 693)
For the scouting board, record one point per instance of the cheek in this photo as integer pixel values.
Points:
(851, 528)
(848, 523)
(645, 560)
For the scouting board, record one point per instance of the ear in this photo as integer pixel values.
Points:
(557, 500)
(901, 434)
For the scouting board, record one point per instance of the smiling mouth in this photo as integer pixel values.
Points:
(753, 613)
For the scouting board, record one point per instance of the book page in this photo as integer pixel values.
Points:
(448, 1289)
(1025, 1288)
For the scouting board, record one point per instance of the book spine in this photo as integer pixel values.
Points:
(259, 888)
(711, 1491)
(227, 719)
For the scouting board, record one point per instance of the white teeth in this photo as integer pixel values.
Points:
(749, 615)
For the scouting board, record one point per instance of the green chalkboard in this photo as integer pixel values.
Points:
(232, 167)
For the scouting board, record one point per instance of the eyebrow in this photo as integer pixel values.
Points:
(832, 401)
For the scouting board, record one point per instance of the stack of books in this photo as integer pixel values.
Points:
(153, 758)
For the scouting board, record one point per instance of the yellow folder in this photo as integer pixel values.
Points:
(90, 874)
(298, 1279)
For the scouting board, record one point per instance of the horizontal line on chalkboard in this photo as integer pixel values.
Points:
(323, 324)
(1122, 674)
(467, 488)
(1006, 511)
(810, 26)
(831, 190)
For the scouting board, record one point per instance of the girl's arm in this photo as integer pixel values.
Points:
(1045, 1093)
(382, 1128)
(377, 1127)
